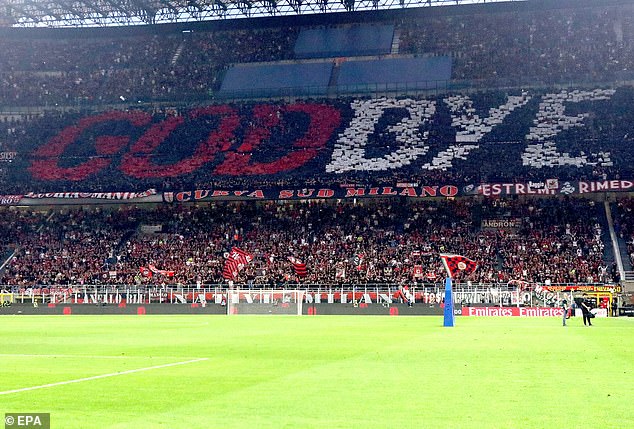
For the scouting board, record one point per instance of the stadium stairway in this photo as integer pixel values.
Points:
(126, 237)
(619, 249)
(334, 78)
(177, 53)
(6, 257)
(12, 250)
(499, 262)
(627, 264)
(628, 269)
(606, 238)
(396, 41)
(118, 253)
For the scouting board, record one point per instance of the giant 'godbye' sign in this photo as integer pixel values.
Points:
(219, 146)
(376, 136)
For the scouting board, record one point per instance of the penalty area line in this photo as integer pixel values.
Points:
(97, 377)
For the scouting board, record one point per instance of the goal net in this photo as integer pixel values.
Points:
(6, 298)
(265, 302)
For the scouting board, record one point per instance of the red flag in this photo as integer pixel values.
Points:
(241, 256)
(298, 266)
(418, 271)
(166, 273)
(145, 272)
(237, 259)
(230, 270)
(521, 284)
(340, 273)
(455, 264)
(404, 294)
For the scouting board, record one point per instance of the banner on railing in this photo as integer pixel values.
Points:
(513, 311)
(7, 156)
(10, 200)
(494, 295)
(61, 198)
(508, 224)
(612, 288)
(338, 192)
(119, 196)
(347, 191)
(326, 193)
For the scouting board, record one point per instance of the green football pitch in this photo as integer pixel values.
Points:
(317, 372)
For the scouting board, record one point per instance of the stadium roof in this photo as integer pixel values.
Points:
(102, 13)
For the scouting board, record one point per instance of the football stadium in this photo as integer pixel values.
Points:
(314, 214)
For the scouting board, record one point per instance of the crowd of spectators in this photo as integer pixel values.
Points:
(140, 68)
(66, 247)
(219, 146)
(494, 47)
(16, 226)
(529, 46)
(556, 240)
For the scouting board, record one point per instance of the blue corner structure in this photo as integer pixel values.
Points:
(449, 316)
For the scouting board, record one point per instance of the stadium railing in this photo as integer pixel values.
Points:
(430, 293)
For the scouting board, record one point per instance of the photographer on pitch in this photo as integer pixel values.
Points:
(585, 304)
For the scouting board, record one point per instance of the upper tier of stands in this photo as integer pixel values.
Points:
(526, 43)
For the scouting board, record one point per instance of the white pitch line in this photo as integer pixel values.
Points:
(97, 377)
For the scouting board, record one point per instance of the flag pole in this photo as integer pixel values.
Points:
(449, 316)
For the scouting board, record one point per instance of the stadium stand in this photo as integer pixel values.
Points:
(146, 113)
(372, 242)
(106, 69)
(491, 46)
(542, 45)
(484, 137)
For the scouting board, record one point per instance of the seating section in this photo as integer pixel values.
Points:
(351, 151)
(487, 137)
(551, 120)
(472, 128)
(491, 46)
(367, 242)
(70, 247)
(545, 44)
(87, 69)
(130, 111)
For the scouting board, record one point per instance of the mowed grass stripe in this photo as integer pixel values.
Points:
(369, 372)
(62, 356)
